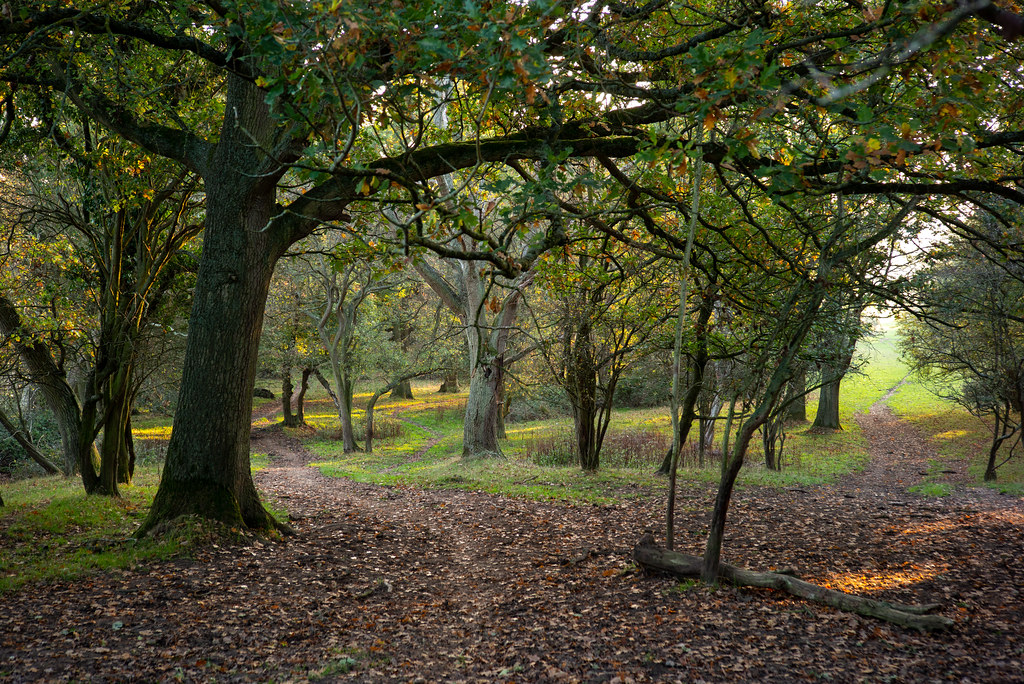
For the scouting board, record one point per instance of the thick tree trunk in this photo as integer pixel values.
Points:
(403, 391)
(207, 470)
(827, 415)
(450, 384)
(480, 429)
(647, 555)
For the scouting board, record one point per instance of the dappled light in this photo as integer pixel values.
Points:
(877, 582)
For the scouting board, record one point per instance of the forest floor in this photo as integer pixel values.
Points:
(401, 584)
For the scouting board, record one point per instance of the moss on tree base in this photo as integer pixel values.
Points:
(211, 501)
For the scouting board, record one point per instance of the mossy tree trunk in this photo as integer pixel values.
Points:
(207, 470)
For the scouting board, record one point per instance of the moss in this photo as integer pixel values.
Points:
(204, 499)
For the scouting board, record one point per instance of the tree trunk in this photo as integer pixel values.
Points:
(480, 429)
(129, 444)
(450, 384)
(797, 407)
(326, 385)
(647, 555)
(19, 436)
(207, 470)
(827, 415)
(300, 400)
(581, 385)
(998, 436)
(369, 419)
(403, 391)
(348, 435)
(287, 418)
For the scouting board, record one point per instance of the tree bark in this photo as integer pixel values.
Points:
(207, 470)
(581, 386)
(480, 430)
(19, 436)
(647, 555)
(403, 391)
(827, 415)
(450, 384)
(287, 417)
(57, 393)
(300, 400)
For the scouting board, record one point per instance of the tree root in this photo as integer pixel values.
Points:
(648, 555)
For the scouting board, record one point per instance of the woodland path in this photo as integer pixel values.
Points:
(397, 584)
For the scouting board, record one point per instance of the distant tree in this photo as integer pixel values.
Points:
(607, 305)
(968, 336)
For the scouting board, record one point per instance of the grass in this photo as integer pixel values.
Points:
(932, 489)
(539, 462)
(51, 530)
(960, 439)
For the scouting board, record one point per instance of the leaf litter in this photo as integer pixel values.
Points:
(406, 585)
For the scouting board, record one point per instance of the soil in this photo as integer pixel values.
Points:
(386, 584)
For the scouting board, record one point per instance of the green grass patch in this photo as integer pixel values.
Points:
(258, 461)
(52, 530)
(931, 489)
(538, 461)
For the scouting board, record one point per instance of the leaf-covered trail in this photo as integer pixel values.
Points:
(397, 584)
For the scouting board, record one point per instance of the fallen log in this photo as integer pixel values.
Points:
(648, 555)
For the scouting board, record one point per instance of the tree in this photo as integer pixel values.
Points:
(609, 303)
(426, 346)
(122, 223)
(968, 336)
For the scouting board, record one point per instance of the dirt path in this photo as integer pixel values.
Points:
(901, 457)
(395, 584)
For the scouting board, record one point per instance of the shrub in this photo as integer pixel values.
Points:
(385, 428)
(643, 389)
(641, 448)
(550, 449)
